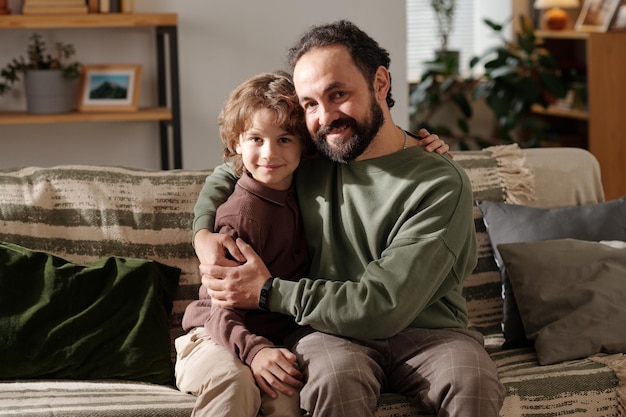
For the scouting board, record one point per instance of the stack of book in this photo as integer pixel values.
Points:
(54, 7)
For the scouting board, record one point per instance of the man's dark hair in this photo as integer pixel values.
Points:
(365, 51)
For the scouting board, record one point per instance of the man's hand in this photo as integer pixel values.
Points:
(236, 286)
(433, 143)
(276, 369)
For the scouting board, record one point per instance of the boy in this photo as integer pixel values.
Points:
(263, 131)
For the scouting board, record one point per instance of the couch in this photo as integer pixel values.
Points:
(97, 268)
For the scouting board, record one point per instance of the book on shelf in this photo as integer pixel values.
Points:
(94, 6)
(53, 3)
(128, 6)
(54, 9)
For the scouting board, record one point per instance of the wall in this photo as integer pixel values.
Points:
(221, 43)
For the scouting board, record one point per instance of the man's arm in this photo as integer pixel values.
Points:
(218, 186)
(212, 248)
(415, 281)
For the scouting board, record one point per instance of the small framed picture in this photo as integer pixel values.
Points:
(596, 15)
(109, 88)
(620, 17)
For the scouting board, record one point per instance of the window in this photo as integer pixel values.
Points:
(470, 35)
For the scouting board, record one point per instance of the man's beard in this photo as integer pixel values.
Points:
(364, 134)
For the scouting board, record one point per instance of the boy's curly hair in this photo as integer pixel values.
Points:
(272, 91)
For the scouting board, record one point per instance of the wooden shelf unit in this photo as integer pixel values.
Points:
(144, 114)
(559, 112)
(168, 111)
(600, 58)
(91, 20)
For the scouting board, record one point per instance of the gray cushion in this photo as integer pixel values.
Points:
(509, 223)
(571, 296)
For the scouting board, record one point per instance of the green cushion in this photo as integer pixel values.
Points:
(106, 320)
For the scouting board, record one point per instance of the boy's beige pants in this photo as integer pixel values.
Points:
(223, 384)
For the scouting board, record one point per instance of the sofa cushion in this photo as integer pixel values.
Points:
(497, 173)
(84, 213)
(510, 223)
(63, 398)
(571, 296)
(584, 387)
(106, 320)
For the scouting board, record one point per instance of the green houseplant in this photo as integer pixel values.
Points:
(440, 85)
(41, 69)
(517, 75)
(444, 14)
(441, 90)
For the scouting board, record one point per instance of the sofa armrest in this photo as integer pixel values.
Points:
(564, 177)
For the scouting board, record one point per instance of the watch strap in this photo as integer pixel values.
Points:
(264, 298)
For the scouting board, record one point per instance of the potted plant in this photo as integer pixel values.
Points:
(444, 14)
(441, 102)
(50, 82)
(517, 76)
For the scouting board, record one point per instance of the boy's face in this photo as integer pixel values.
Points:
(269, 153)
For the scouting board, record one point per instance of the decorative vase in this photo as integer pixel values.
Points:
(49, 92)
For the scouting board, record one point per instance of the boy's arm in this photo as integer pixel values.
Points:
(227, 327)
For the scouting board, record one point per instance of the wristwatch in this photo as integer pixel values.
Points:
(264, 298)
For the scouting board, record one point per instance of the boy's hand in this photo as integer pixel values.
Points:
(217, 249)
(275, 369)
(433, 143)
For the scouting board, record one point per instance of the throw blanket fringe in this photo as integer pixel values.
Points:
(518, 179)
(617, 363)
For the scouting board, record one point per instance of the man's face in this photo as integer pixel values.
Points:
(341, 111)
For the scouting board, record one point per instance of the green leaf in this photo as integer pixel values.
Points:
(462, 125)
(554, 84)
(460, 99)
(494, 26)
(503, 71)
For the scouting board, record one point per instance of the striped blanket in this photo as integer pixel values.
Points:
(82, 213)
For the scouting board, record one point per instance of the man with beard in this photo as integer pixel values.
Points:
(391, 235)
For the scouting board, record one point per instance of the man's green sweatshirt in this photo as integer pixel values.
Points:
(391, 240)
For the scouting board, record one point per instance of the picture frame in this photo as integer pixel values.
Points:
(620, 17)
(109, 88)
(596, 15)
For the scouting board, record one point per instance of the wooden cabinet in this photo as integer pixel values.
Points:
(596, 61)
(167, 111)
